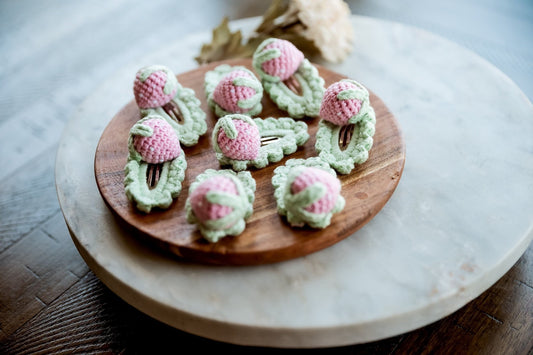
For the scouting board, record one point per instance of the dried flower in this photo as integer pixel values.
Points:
(314, 26)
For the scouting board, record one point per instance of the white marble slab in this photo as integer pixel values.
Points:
(460, 218)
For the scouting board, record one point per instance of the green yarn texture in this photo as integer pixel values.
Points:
(213, 77)
(291, 134)
(170, 179)
(308, 104)
(327, 136)
(293, 206)
(234, 223)
(194, 118)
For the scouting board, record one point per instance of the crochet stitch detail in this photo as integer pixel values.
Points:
(234, 193)
(162, 143)
(154, 86)
(233, 89)
(343, 101)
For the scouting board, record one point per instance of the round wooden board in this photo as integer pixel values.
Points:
(268, 237)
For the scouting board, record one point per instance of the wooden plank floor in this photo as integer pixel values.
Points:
(54, 53)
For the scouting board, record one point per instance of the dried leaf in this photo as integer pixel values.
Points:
(275, 10)
(224, 45)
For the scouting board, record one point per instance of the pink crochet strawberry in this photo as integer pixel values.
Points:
(338, 109)
(162, 145)
(245, 146)
(287, 63)
(205, 210)
(227, 95)
(312, 175)
(154, 86)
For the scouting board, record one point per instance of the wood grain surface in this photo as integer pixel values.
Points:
(58, 52)
(268, 237)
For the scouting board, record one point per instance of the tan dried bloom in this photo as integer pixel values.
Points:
(327, 24)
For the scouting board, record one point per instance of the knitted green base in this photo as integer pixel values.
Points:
(293, 206)
(291, 134)
(167, 188)
(213, 77)
(194, 123)
(308, 104)
(327, 146)
(234, 223)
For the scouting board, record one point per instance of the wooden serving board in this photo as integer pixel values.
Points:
(268, 237)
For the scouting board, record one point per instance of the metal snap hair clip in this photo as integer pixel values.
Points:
(345, 132)
(291, 81)
(307, 192)
(233, 89)
(156, 164)
(157, 91)
(240, 141)
(220, 202)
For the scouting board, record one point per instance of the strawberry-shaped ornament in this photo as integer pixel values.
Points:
(291, 81)
(220, 202)
(156, 164)
(233, 89)
(241, 141)
(157, 91)
(347, 126)
(307, 192)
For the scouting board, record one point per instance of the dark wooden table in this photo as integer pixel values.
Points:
(53, 54)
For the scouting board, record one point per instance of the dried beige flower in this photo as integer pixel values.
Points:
(314, 26)
(327, 24)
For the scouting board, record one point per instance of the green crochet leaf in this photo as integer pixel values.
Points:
(308, 104)
(327, 142)
(291, 134)
(293, 206)
(194, 118)
(213, 77)
(234, 223)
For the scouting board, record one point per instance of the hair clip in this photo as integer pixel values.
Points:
(292, 82)
(233, 90)
(241, 141)
(157, 91)
(345, 133)
(307, 191)
(156, 164)
(220, 202)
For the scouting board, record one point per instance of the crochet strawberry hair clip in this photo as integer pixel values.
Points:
(307, 192)
(157, 91)
(291, 81)
(220, 202)
(345, 132)
(233, 90)
(240, 141)
(156, 164)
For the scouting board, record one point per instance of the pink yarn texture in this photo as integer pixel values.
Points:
(245, 146)
(313, 175)
(227, 95)
(163, 145)
(338, 111)
(205, 210)
(287, 63)
(149, 94)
